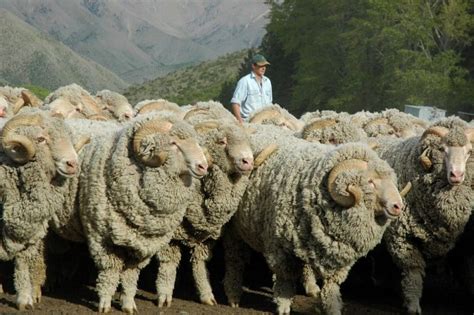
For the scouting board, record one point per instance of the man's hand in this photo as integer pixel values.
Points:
(236, 111)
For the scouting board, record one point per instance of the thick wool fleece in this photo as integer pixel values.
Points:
(130, 210)
(31, 195)
(287, 214)
(215, 201)
(210, 110)
(436, 212)
(341, 132)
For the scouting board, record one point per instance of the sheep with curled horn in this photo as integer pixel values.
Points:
(276, 115)
(13, 99)
(115, 104)
(439, 205)
(81, 99)
(38, 161)
(332, 131)
(134, 190)
(325, 207)
(202, 111)
(403, 124)
(216, 199)
(148, 106)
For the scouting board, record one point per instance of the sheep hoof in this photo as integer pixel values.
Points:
(104, 307)
(210, 300)
(37, 295)
(1, 289)
(24, 303)
(164, 300)
(234, 305)
(129, 306)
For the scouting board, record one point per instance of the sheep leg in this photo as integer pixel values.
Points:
(129, 280)
(412, 287)
(22, 280)
(412, 264)
(168, 258)
(235, 256)
(285, 277)
(37, 270)
(200, 255)
(331, 300)
(107, 282)
(309, 281)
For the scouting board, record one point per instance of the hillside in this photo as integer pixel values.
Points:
(140, 40)
(31, 57)
(201, 82)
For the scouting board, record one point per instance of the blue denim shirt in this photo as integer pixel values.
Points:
(251, 95)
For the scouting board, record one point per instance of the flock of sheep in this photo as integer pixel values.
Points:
(313, 195)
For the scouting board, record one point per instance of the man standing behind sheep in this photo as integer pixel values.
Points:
(253, 91)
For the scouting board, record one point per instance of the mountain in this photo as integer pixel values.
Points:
(143, 39)
(200, 82)
(28, 56)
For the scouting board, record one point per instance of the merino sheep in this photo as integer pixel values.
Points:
(392, 122)
(37, 161)
(148, 106)
(439, 205)
(276, 115)
(332, 131)
(201, 111)
(310, 204)
(12, 100)
(134, 190)
(216, 200)
(85, 103)
(116, 105)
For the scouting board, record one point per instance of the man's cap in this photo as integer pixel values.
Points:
(259, 60)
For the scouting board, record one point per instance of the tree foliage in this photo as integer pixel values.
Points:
(349, 55)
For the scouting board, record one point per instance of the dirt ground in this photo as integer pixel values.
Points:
(361, 293)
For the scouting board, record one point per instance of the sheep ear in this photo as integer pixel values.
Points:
(470, 134)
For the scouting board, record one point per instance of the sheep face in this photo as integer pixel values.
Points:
(229, 147)
(160, 142)
(355, 181)
(43, 139)
(388, 199)
(450, 148)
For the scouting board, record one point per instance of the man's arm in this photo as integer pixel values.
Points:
(236, 111)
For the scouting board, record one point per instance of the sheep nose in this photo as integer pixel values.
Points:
(201, 168)
(456, 176)
(2, 112)
(71, 164)
(396, 208)
(127, 116)
(247, 164)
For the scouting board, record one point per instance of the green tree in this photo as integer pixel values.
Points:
(350, 55)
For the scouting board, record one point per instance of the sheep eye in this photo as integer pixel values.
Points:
(222, 142)
(41, 139)
(371, 183)
(78, 110)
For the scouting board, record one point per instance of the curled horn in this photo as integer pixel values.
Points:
(206, 125)
(265, 114)
(151, 127)
(19, 148)
(81, 143)
(470, 134)
(158, 105)
(18, 105)
(377, 121)
(436, 130)
(405, 189)
(264, 154)
(320, 124)
(195, 112)
(355, 192)
(30, 99)
(425, 160)
(98, 117)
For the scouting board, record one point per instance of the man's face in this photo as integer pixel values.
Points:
(259, 70)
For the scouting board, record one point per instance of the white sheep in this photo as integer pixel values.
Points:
(215, 201)
(134, 190)
(38, 159)
(148, 106)
(116, 105)
(439, 205)
(278, 116)
(310, 204)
